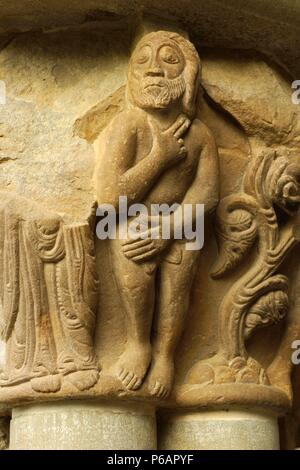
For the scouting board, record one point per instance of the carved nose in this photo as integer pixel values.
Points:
(155, 72)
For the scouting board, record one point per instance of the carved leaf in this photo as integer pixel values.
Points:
(236, 230)
(271, 308)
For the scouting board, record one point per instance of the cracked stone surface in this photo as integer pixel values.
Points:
(48, 87)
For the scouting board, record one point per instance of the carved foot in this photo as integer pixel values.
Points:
(66, 365)
(83, 379)
(47, 384)
(132, 366)
(217, 370)
(161, 377)
(12, 380)
(7, 380)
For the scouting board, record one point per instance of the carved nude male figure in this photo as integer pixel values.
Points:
(156, 152)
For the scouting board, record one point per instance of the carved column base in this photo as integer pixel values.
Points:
(82, 425)
(219, 430)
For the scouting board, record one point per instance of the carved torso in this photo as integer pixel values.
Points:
(174, 182)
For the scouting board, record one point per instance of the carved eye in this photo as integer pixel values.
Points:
(169, 55)
(171, 59)
(143, 55)
(142, 59)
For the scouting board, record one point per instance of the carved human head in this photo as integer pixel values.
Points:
(164, 68)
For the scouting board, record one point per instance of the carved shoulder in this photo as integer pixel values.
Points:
(203, 134)
(119, 135)
(125, 123)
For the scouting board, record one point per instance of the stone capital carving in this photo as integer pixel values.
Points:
(146, 318)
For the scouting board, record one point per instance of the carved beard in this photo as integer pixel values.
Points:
(153, 92)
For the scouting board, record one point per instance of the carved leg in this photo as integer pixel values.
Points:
(135, 283)
(174, 296)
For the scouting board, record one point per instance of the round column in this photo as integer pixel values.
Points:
(82, 425)
(218, 430)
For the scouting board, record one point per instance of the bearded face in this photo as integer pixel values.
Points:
(156, 75)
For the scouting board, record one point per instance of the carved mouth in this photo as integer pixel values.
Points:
(154, 85)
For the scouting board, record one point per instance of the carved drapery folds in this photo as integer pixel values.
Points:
(48, 298)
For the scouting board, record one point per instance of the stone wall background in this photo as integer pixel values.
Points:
(51, 80)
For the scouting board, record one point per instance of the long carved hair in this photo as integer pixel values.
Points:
(192, 70)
